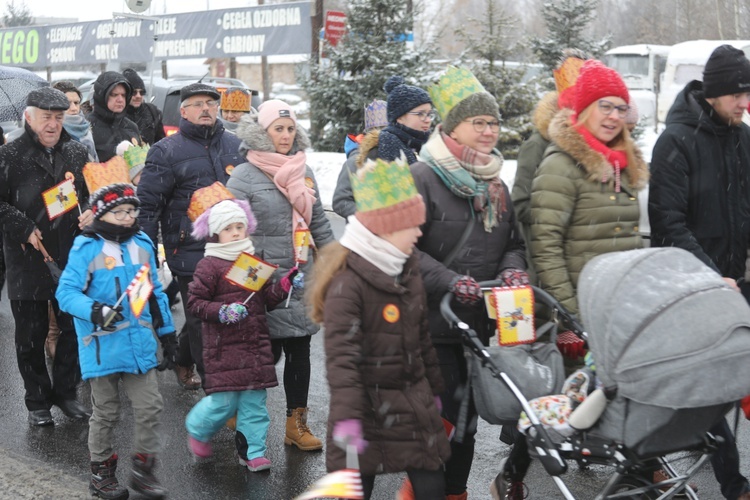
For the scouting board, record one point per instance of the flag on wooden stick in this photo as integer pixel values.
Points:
(60, 199)
(250, 272)
(139, 290)
(345, 483)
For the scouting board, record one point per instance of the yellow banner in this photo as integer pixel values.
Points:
(250, 272)
(139, 290)
(514, 309)
(345, 483)
(60, 199)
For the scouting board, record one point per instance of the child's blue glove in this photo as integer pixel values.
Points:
(232, 313)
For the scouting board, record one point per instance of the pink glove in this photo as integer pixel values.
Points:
(439, 404)
(467, 290)
(349, 432)
(514, 277)
(286, 281)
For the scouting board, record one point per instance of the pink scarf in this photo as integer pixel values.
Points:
(288, 173)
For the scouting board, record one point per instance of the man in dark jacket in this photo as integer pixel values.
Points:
(42, 157)
(144, 114)
(699, 196)
(109, 123)
(199, 155)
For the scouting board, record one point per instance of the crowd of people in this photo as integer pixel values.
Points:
(427, 214)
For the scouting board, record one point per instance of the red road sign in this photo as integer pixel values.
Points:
(335, 26)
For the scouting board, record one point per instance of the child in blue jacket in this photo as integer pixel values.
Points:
(102, 263)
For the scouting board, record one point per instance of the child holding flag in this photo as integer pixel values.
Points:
(230, 295)
(383, 371)
(111, 289)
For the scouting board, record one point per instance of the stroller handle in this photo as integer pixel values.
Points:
(539, 296)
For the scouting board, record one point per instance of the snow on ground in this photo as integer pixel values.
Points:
(327, 167)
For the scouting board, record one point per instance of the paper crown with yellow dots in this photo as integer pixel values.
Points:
(109, 185)
(207, 197)
(135, 157)
(236, 99)
(387, 199)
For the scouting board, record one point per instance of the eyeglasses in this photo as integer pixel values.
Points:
(139, 92)
(425, 116)
(480, 125)
(121, 214)
(199, 105)
(607, 107)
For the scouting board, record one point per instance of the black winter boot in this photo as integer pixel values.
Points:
(103, 481)
(142, 478)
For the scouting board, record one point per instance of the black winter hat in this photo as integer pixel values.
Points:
(727, 72)
(403, 98)
(199, 89)
(48, 98)
(134, 79)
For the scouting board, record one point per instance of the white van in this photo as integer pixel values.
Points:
(641, 67)
(685, 63)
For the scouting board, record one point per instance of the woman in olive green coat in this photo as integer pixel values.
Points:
(584, 198)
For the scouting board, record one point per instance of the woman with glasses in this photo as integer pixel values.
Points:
(470, 235)
(284, 197)
(584, 197)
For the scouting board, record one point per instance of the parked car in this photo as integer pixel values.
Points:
(165, 94)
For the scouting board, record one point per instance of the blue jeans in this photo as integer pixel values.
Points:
(212, 412)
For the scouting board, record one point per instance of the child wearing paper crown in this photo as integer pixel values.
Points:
(383, 371)
(236, 344)
(116, 341)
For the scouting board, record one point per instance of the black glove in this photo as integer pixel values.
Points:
(169, 360)
(100, 313)
(467, 290)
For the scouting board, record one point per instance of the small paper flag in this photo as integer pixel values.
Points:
(301, 244)
(250, 272)
(345, 483)
(139, 290)
(60, 199)
(514, 307)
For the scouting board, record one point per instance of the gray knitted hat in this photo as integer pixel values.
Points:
(481, 103)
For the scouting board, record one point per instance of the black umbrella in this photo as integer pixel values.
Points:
(54, 269)
(15, 85)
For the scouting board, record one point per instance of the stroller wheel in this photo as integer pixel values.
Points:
(632, 483)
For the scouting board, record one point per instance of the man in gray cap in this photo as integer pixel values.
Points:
(42, 157)
(699, 195)
(199, 155)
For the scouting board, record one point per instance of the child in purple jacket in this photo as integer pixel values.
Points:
(236, 345)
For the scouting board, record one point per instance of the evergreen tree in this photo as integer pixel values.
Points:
(16, 15)
(373, 49)
(566, 22)
(488, 49)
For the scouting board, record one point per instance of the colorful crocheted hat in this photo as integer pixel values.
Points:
(376, 114)
(387, 199)
(459, 95)
(135, 157)
(236, 99)
(204, 198)
(109, 185)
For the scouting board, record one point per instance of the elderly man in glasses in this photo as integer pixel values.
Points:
(109, 123)
(199, 155)
(146, 115)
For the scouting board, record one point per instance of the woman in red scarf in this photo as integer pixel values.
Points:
(584, 198)
(284, 197)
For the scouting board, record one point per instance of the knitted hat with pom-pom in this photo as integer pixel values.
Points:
(402, 98)
(596, 81)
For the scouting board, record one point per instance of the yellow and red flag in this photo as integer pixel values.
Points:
(139, 290)
(250, 272)
(345, 483)
(60, 199)
(514, 307)
(302, 241)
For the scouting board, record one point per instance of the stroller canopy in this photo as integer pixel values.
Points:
(665, 329)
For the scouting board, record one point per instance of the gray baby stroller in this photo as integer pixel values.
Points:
(663, 329)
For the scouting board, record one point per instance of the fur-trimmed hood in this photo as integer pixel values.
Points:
(567, 138)
(254, 137)
(544, 112)
(368, 143)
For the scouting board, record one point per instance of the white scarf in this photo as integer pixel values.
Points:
(371, 247)
(229, 251)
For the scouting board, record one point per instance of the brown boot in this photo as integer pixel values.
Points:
(52, 335)
(460, 496)
(187, 378)
(298, 433)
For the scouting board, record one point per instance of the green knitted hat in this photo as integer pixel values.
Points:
(458, 95)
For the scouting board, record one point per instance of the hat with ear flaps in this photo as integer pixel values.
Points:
(386, 196)
(214, 207)
(458, 95)
(110, 186)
